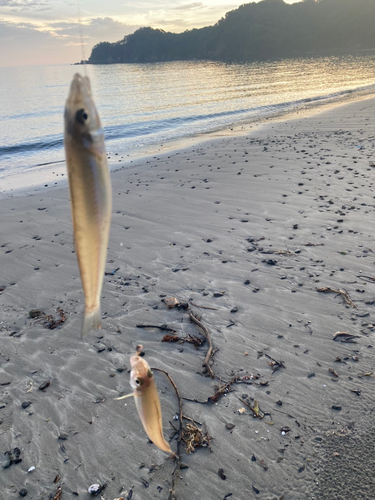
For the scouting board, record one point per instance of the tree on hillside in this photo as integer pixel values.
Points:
(266, 29)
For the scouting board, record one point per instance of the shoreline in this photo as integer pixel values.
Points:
(52, 176)
(248, 228)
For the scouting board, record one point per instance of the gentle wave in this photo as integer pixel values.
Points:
(31, 146)
(31, 114)
(144, 105)
(179, 126)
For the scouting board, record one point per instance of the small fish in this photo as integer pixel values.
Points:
(147, 400)
(90, 193)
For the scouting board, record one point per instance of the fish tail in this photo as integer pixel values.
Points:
(92, 320)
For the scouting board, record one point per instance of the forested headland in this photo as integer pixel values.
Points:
(255, 31)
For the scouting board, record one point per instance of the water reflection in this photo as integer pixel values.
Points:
(145, 104)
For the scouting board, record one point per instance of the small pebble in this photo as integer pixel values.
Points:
(44, 385)
(221, 474)
(94, 489)
(11, 457)
(35, 313)
(7, 461)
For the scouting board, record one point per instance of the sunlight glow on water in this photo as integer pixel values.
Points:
(143, 105)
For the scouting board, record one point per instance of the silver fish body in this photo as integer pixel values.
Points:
(147, 401)
(90, 193)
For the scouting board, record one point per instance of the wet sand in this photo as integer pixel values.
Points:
(249, 228)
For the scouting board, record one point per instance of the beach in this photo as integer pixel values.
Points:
(246, 230)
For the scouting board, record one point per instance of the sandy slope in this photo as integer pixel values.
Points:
(266, 218)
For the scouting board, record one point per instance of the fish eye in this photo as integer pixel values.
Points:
(81, 116)
(138, 382)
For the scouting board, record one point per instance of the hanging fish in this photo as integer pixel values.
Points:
(147, 400)
(90, 193)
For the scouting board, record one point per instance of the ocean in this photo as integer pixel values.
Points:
(145, 107)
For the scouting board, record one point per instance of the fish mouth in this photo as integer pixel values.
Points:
(80, 90)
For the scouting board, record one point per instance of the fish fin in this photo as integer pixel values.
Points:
(124, 397)
(91, 321)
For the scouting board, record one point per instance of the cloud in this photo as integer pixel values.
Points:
(97, 29)
(23, 44)
(47, 31)
(26, 4)
(171, 24)
(57, 42)
(177, 18)
(189, 6)
(9, 30)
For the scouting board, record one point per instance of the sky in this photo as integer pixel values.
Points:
(34, 32)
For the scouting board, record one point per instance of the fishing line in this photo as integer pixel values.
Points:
(81, 36)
